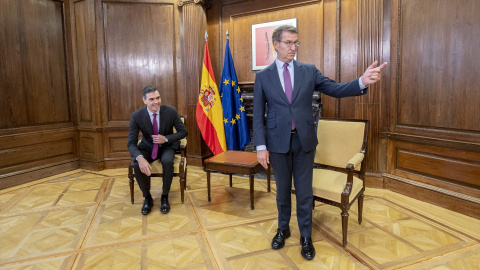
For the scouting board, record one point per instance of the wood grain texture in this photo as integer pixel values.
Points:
(37, 137)
(29, 150)
(370, 49)
(446, 164)
(348, 55)
(441, 51)
(84, 46)
(34, 69)
(139, 51)
(194, 22)
(438, 166)
(433, 130)
(330, 55)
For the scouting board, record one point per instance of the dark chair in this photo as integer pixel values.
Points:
(179, 168)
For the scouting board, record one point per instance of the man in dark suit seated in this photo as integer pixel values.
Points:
(288, 137)
(156, 122)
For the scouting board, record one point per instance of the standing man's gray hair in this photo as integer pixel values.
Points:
(277, 33)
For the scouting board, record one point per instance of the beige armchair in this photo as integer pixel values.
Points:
(179, 168)
(339, 166)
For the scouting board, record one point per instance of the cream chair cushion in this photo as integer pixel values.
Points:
(157, 165)
(183, 142)
(338, 142)
(330, 185)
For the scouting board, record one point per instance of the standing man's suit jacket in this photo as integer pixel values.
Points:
(140, 121)
(275, 132)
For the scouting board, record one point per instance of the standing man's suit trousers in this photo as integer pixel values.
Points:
(300, 163)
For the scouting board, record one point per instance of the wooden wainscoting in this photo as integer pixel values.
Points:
(32, 155)
(437, 171)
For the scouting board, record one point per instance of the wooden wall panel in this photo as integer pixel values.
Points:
(438, 70)
(435, 89)
(85, 59)
(34, 75)
(37, 136)
(90, 145)
(433, 128)
(85, 78)
(348, 55)
(139, 51)
(37, 152)
(424, 160)
(10, 68)
(371, 48)
(32, 151)
(330, 54)
(115, 144)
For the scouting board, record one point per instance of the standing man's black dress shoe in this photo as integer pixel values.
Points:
(147, 206)
(164, 206)
(308, 250)
(278, 241)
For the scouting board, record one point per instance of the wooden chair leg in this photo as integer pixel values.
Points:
(360, 208)
(344, 227)
(182, 188)
(185, 180)
(130, 182)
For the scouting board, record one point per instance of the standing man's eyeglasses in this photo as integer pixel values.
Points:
(290, 43)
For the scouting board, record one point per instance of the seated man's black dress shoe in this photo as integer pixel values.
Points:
(164, 206)
(278, 241)
(147, 206)
(308, 250)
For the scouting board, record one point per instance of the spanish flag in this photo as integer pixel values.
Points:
(209, 109)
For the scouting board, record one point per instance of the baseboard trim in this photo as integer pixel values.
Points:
(36, 173)
(434, 188)
(445, 198)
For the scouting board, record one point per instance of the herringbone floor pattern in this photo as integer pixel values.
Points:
(84, 220)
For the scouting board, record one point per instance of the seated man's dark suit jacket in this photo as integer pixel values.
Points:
(140, 121)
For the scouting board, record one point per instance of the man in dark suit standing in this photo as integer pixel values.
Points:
(288, 136)
(156, 122)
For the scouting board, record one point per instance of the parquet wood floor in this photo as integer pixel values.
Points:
(84, 220)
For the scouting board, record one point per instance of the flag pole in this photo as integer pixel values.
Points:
(206, 36)
(228, 35)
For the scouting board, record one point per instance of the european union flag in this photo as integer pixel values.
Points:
(234, 116)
